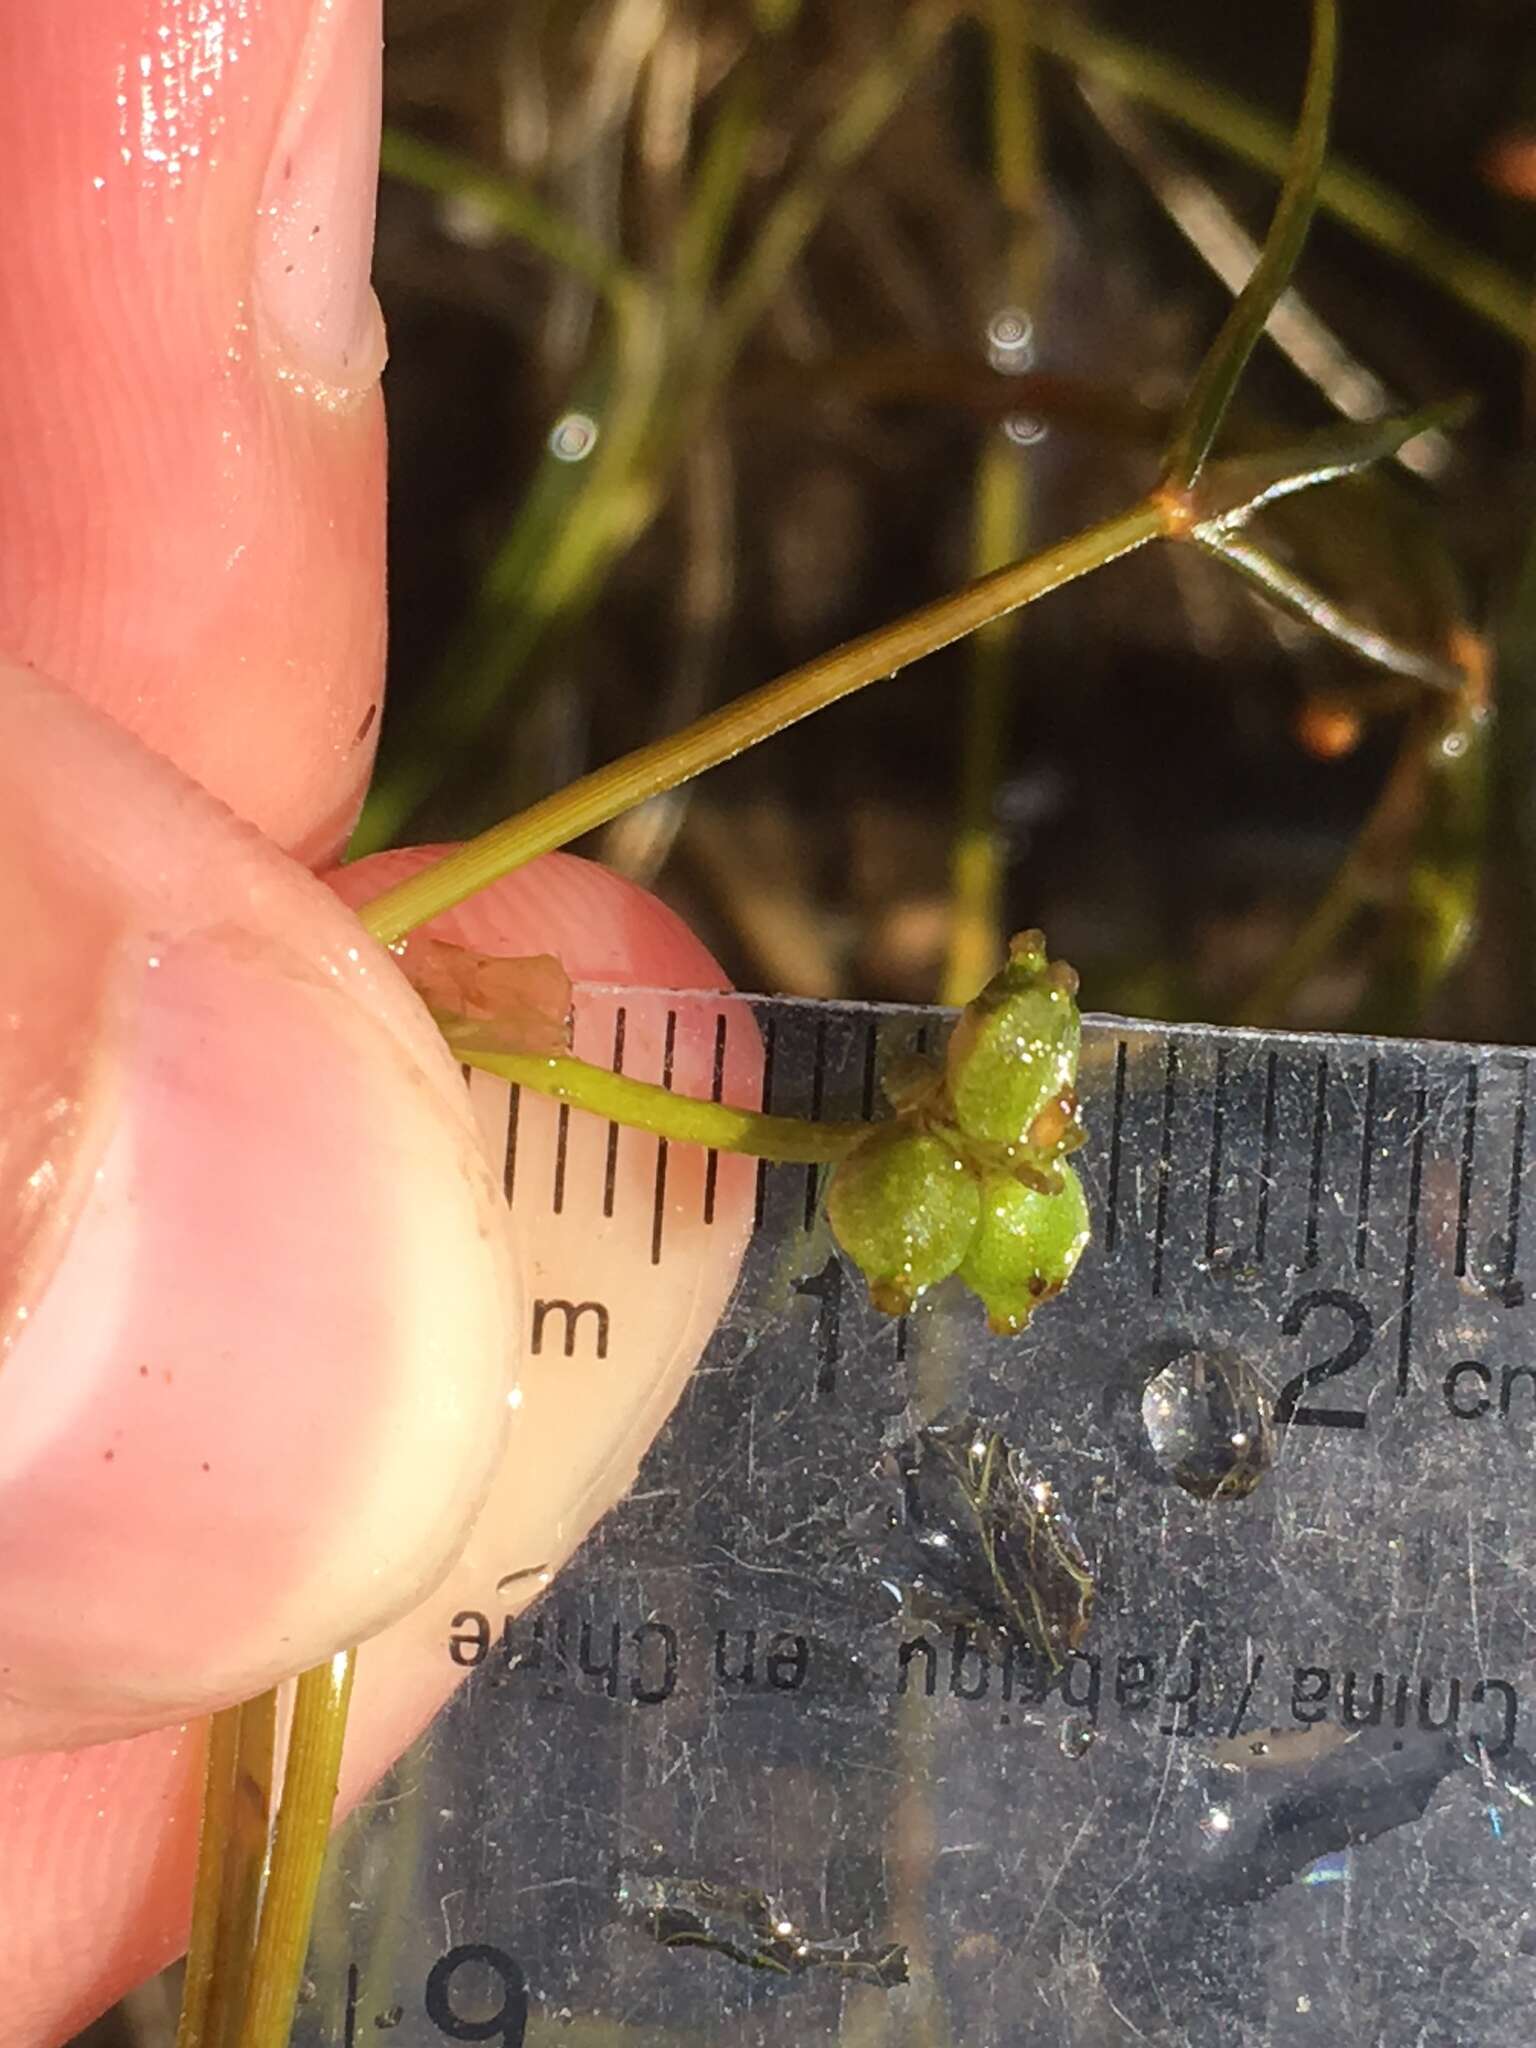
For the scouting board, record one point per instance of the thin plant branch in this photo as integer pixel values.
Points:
(596, 799)
(1292, 593)
(511, 208)
(1000, 523)
(1211, 393)
(231, 1869)
(1228, 494)
(222, 1739)
(683, 1119)
(1216, 235)
(321, 1699)
(1499, 297)
(1233, 492)
(869, 104)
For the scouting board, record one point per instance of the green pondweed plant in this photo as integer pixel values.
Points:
(970, 1174)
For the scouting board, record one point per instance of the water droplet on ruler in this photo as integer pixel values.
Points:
(1076, 1738)
(1207, 1419)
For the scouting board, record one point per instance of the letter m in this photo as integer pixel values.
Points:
(572, 1313)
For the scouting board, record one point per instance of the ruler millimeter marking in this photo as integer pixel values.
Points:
(1206, 1148)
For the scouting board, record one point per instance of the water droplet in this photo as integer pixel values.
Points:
(1010, 341)
(573, 437)
(1024, 430)
(1207, 1419)
(1076, 1737)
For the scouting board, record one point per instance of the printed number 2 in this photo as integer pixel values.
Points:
(1291, 1408)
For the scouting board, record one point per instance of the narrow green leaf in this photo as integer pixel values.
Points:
(1212, 390)
(1303, 600)
(512, 208)
(1230, 493)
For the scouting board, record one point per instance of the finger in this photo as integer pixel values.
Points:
(191, 434)
(104, 1839)
(261, 1315)
(650, 1246)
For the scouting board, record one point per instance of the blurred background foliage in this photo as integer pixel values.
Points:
(724, 331)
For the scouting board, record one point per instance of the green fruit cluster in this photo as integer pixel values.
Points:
(970, 1176)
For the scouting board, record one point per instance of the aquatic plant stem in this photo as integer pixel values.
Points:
(870, 101)
(321, 1699)
(1499, 297)
(1227, 494)
(514, 209)
(231, 1866)
(683, 1119)
(663, 364)
(218, 1803)
(1000, 530)
(595, 799)
(1211, 393)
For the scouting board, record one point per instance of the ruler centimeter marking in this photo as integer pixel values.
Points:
(1116, 1141)
(1468, 1152)
(611, 1157)
(1266, 1160)
(1367, 1145)
(1411, 1240)
(1213, 1175)
(1164, 1161)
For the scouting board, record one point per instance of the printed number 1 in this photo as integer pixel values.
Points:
(826, 1289)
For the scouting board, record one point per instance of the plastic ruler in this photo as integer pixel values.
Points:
(744, 1773)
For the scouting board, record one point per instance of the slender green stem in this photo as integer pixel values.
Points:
(1225, 497)
(231, 1869)
(1211, 393)
(594, 799)
(574, 523)
(304, 1814)
(977, 854)
(683, 1119)
(509, 206)
(660, 380)
(870, 102)
(1000, 533)
(223, 1739)
(1231, 493)
(717, 185)
(1372, 210)
(1292, 593)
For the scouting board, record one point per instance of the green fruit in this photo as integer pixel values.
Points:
(1025, 1248)
(1012, 1058)
(903, 1205)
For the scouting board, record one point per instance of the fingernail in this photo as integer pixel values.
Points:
(315, 303)
(57, 967)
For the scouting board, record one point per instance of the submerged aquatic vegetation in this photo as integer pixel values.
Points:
(994, 1547)
(752, 1928)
